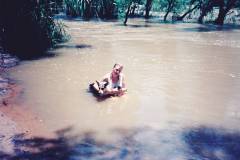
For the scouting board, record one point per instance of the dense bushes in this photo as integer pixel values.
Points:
(105, 9)
(27, 27)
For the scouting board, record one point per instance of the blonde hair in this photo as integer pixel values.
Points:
(118, 64)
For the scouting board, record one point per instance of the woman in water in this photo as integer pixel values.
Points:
(112, 83)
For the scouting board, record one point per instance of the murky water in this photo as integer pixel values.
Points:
(179, 77)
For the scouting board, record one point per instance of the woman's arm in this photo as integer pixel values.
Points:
(121, 81)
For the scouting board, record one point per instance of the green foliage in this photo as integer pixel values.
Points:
(122, 6)
(162, 5)
(73, 7)
(27, 27)
(105, 9)
(159, 5)
(180, 5)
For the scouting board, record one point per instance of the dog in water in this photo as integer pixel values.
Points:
(97, 88)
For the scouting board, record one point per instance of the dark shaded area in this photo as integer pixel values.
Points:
(27, 27)
(213, 144)
(212, 28)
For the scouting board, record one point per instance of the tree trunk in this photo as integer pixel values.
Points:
(200, 19)
(165, 16)
(148, 7)
(82, 9)
(220, 18)
(180, 18)
(88, 11)
(170, 7)
(203, 14)
(223, 12)
(168, 10)
(127, 15)
(205, 8)
(132, 10)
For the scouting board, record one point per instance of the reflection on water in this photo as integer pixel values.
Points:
(175, 78)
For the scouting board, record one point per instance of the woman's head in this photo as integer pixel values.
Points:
(117, 68)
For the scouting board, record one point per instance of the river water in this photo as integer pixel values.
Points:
(183, 81)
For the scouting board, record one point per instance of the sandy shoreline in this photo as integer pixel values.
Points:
(15, 118)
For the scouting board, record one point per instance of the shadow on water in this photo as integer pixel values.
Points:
(131, 144)
(212, 28)
(51, 53)
(134, 25)
(78, 46)
(39, 148)
(139, 26)
(213, 144)
(65, 147)
(70, 19)
(37, 56)
(64, 17)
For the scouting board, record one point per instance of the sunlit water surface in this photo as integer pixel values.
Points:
(179, 77)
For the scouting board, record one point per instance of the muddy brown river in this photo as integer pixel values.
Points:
(183, 94)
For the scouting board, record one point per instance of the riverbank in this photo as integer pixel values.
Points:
(8, 127)
(15, 119)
